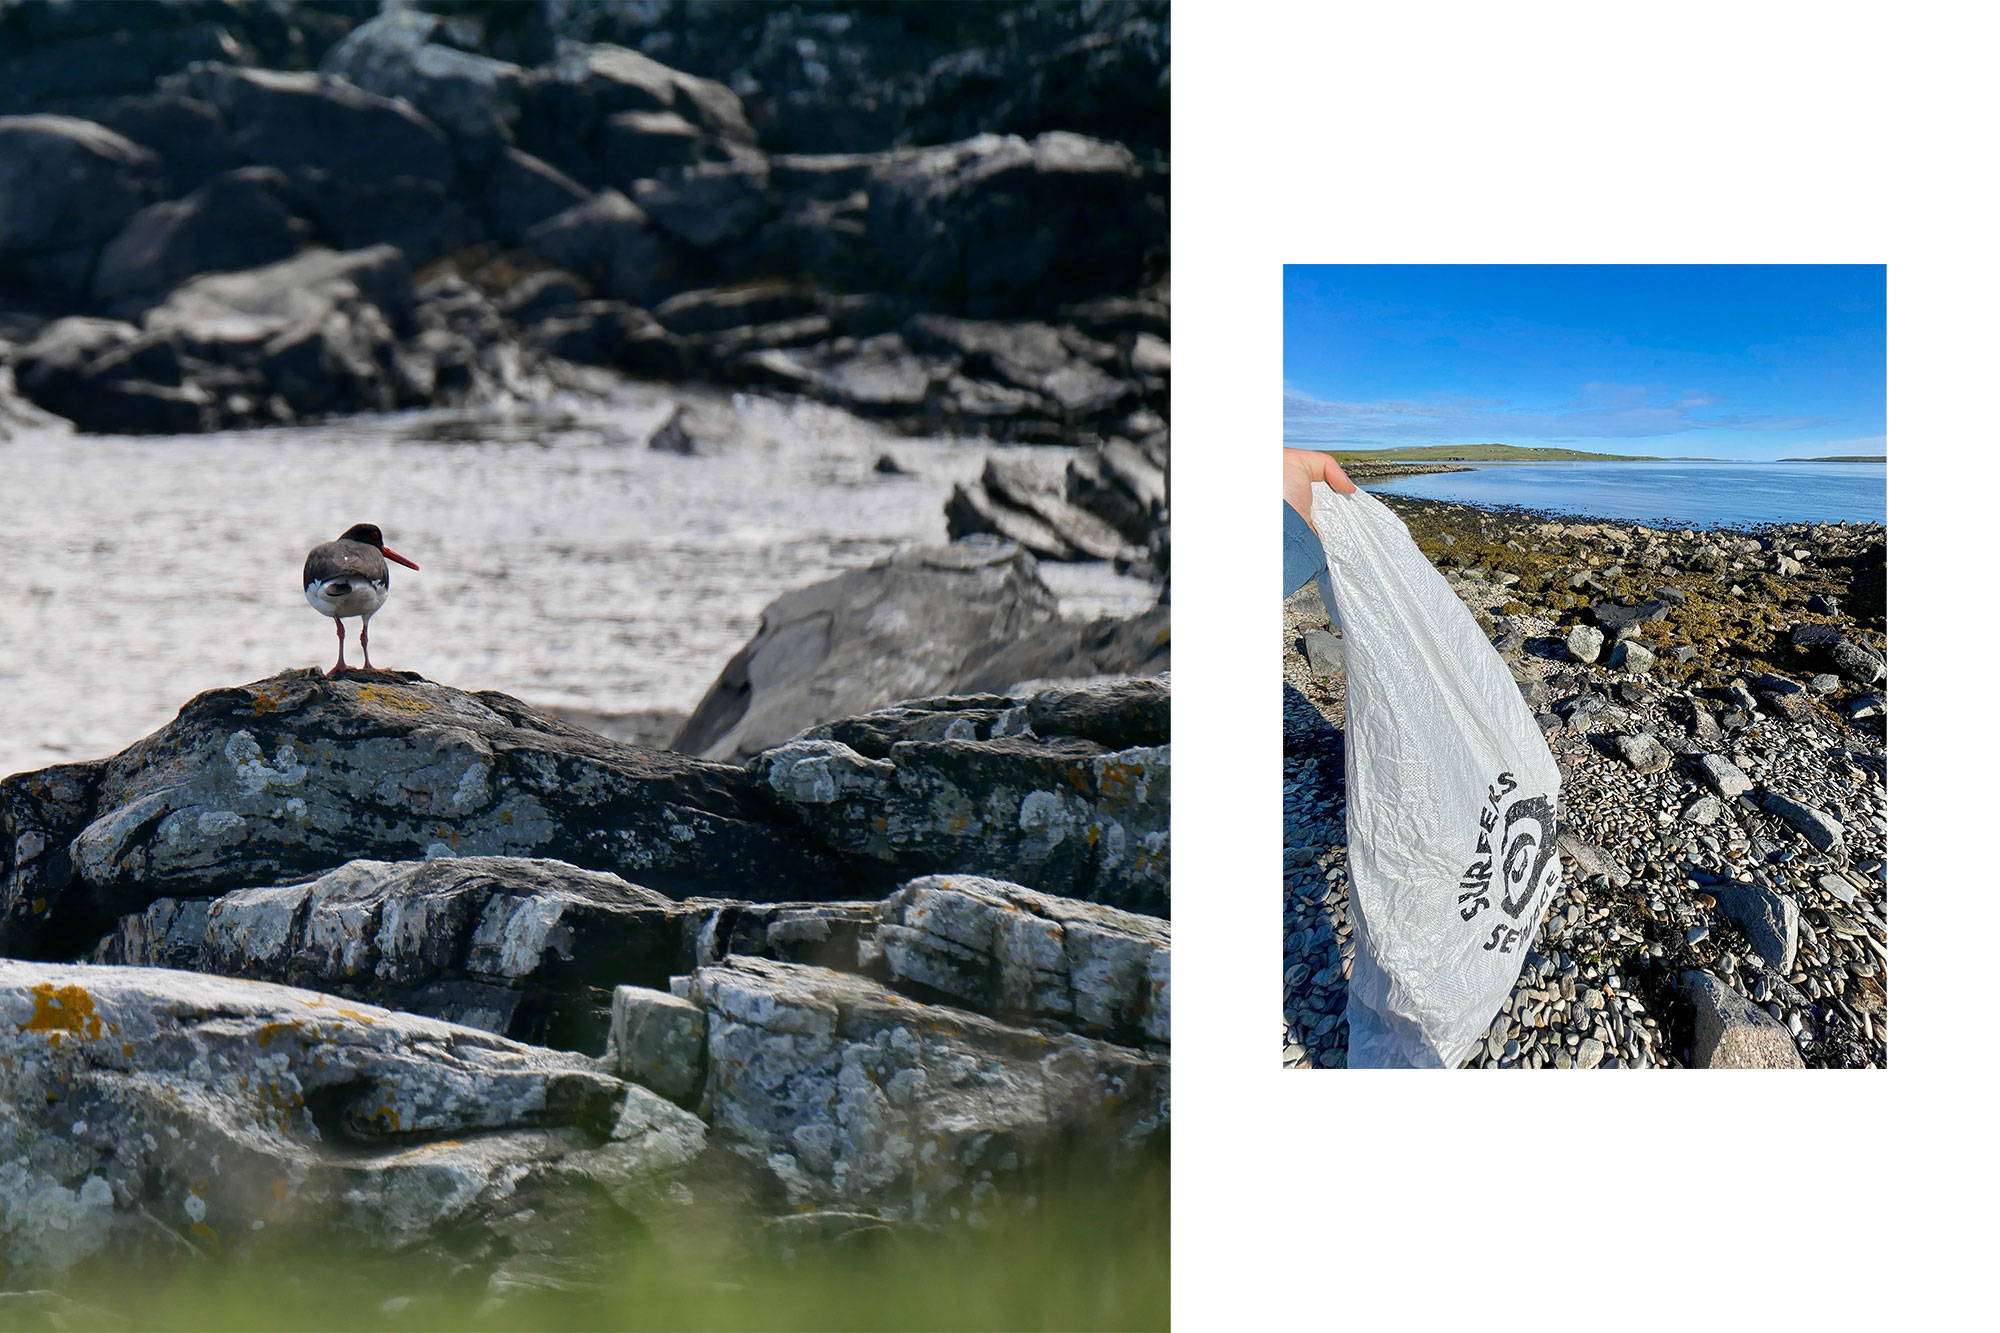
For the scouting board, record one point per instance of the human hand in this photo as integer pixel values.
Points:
(1303, 467)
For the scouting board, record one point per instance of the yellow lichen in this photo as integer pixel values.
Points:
(61, 1010)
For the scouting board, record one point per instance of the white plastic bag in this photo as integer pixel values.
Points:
(1451, 800)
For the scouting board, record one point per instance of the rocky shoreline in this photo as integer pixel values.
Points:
(1717, 702)
(214, 217)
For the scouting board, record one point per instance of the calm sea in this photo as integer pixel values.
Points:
(1678, 494)
(563, 561)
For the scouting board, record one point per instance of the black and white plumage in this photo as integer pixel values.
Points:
(350, 577)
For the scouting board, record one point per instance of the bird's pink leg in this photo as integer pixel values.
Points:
(340, 631)
(366, 665)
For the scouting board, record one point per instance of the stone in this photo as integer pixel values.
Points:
(521, 192)
(472, 98)
(707, 204)
(1703, 810)
(1644, 753)
(1726, 778)
(1629, 655)
(1770, 919)
(153, 1111)
(305, 121)
(1079, 214)
(1590, 859)
(1861, 665)
(1324, 652)
(658, 1040)
(528, 949)
(1732, 1033)
(927, 621)
(1589, 1053)
(1063, 815)
(241, 219)
(293, 775)
(608, 242)
(1584, 643)
(66, 185)
(1029, 957)
(1818, 827)
(858, 1097)
(1612, 616)
(1823, 684)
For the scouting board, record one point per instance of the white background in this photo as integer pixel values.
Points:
(1559, 133)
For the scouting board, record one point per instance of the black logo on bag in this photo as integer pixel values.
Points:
(1527, 865)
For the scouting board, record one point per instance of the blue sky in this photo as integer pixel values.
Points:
(1747, 361)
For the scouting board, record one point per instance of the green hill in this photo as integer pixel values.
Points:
(1841, 458)
(1492, 453)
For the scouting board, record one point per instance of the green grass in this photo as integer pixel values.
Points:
(1486, 453)
(1087, 1256)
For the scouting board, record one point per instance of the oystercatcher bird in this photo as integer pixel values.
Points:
(350, 577)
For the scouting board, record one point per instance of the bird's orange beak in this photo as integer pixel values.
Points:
(401, 560)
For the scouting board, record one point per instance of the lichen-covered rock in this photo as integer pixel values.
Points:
(857, 1097)
(660, 1040)
(1014, 953)
(300, 773)
(524, 948)
(143, 1110)
(989, 796)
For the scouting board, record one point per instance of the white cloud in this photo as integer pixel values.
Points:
(1602, 412)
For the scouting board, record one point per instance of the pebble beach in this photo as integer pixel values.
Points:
(1717, 703)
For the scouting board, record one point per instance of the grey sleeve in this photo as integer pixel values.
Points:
(1303, 557)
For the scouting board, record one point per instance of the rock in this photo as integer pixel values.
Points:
(1029, 957)
(472, 98)
(1703, 810)
(707, 204)
(697, 429)
(1770, 919)
(984, 794)
(1866, 705)
(1727, 779)
(1591, 859)
(907, 627)
(1819, 828)
(1815, 636)
(719, 310)
(155, 1112)
(187, 136)
(317, 331)
(1589, 1053)
(1078, 215)
(521, 192)
(858, 1097)
(528, 949)
(1732, 1033)
(1615, 617)
(658, 1040)
(1858, 664)
(1823, 684)
(66, 186)
(1324, 653)
(1631, 656)
(299, 773)
(608, 242)
(541, 294)
(239, 220)
(607, 333)
(301, 122)
(1644, 753)
(1584, 643)
(1024, 502)
(586, 87)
